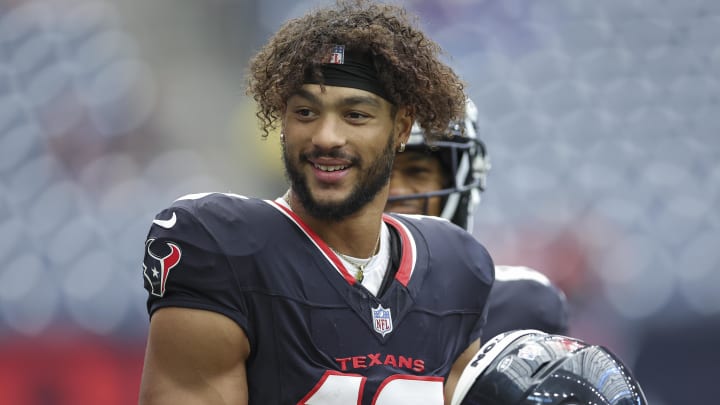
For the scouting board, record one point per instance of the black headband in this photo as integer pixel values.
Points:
(349, 69)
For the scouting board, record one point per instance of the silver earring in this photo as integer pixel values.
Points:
(402, 147)
(282, 137)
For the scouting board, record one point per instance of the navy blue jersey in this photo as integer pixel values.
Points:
(317, 336)
(523, 298)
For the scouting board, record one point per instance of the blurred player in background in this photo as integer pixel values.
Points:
(445, 179)
(319, 297)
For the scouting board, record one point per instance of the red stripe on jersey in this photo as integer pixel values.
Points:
(407, 255)
(329, 253)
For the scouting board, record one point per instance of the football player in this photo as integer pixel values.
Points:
(318, 297)
(532, 367)
(445, 179)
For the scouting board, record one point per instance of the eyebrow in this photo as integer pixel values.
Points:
(344, 102)
(415, 156)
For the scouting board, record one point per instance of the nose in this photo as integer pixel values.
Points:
(328, 134)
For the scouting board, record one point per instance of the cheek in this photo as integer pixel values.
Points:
(434, 206)
(418, 183)
(433, 183)
(293, 144)
(410, 183)
(296, 132)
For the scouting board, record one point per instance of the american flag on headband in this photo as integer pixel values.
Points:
(337, 56)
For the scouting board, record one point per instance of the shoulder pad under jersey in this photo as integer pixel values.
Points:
(524, 298)
(233, 223)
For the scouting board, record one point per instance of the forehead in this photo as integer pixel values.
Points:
(429, 162)
(335, 95)
(417, 156)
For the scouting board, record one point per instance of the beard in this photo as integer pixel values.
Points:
(372, 180)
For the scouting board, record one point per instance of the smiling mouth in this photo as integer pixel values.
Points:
(327, 168)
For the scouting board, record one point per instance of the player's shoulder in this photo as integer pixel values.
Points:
(217, 204)
(529, 298)
(440, 232)
(204, 219)
(520, 274)
(226, 209)
(522, 279)
(450, 246)
(427, 226)
(427, 220)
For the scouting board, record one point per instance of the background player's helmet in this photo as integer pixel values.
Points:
(531, 367)
(464, 159)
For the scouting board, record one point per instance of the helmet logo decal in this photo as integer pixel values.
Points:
(530, 352)
(571, 344)
(504, 364)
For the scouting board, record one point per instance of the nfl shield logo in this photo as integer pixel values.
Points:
(382, 320)
(337, 57)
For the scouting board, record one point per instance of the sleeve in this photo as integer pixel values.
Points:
(184, 266)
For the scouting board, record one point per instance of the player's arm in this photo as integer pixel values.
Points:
(194, 357)
(457, 369)
(484, 272)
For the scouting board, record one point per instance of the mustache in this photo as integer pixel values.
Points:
(317, 153)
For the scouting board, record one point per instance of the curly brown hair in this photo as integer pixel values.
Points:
(407, 62)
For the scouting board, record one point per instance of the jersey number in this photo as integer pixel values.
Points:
(399, 389)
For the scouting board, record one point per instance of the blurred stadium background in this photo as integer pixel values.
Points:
(602, 119)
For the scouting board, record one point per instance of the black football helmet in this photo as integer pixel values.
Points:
(527, 367)
(464, 158)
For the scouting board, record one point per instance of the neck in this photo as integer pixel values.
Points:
(357, 235)
(364, 257)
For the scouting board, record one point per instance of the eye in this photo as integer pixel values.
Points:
(417, 170)
(304, 113)
(357, 116)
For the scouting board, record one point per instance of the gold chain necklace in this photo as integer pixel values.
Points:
(359, 266)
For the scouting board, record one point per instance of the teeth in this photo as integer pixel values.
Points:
(330, 168)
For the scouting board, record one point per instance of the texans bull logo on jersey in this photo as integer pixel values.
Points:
(158, 262)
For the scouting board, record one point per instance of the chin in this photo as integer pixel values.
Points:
(329, 197)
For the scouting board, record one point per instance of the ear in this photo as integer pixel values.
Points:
(403, 125)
